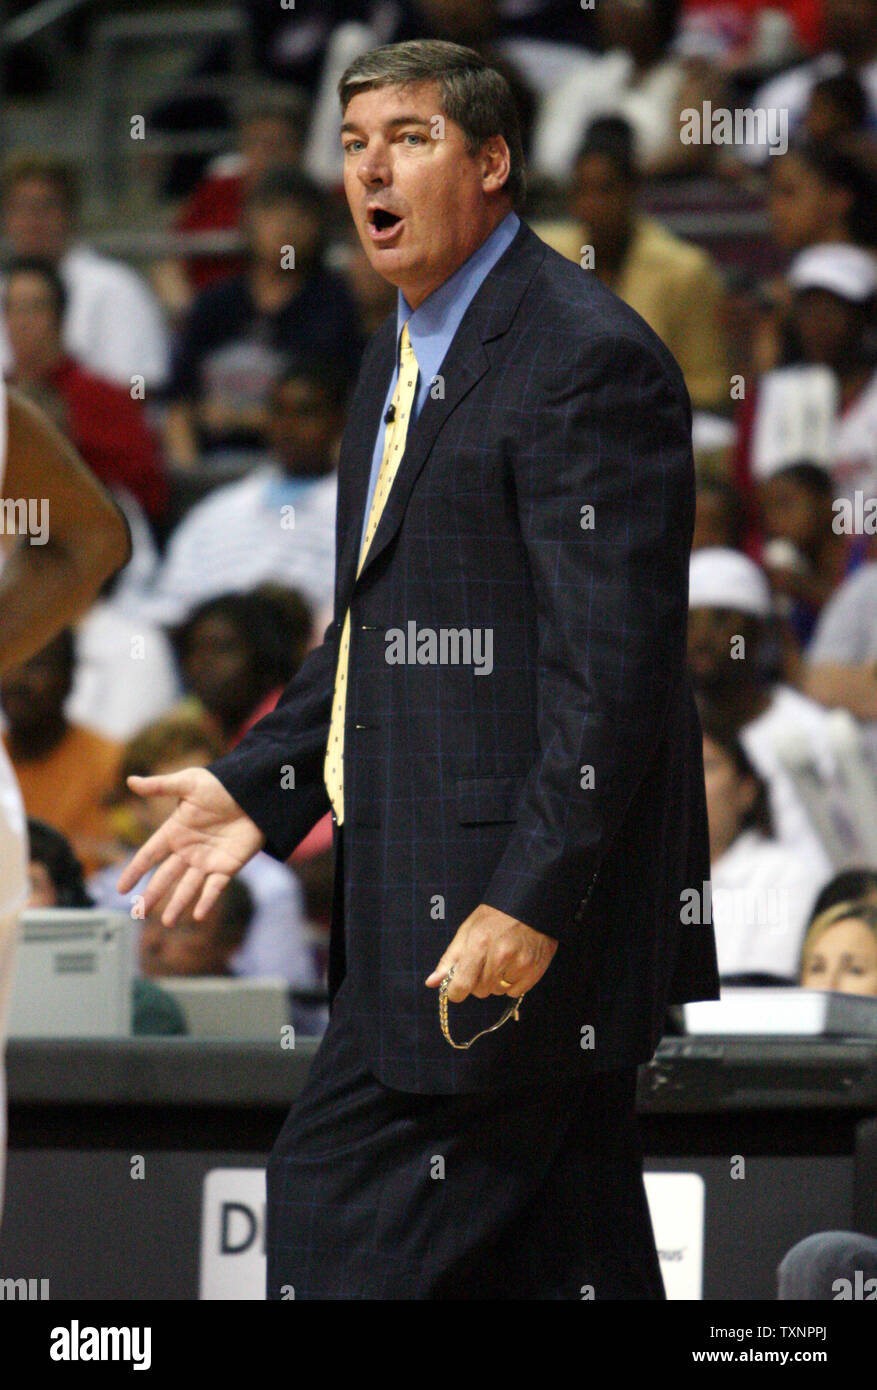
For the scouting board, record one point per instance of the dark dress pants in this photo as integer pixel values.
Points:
(376, 1193)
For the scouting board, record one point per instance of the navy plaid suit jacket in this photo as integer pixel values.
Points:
(566, 785)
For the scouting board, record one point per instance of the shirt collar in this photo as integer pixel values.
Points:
(433, 323)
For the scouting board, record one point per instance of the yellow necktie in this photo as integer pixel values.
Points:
(394, 447)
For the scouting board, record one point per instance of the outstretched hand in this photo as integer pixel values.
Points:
(199, 848)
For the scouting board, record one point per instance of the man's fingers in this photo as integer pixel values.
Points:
(513, 971)
(164, 877)
(213, 886)
(442, 968)
(191, 882)
(170, 785)
(466, 975)
(149, 854)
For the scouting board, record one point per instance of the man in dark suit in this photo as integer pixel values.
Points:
(501, 719)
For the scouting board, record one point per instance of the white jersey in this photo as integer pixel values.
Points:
(14, 875)
(13, 824)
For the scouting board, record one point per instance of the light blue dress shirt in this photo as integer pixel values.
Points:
(431, 328)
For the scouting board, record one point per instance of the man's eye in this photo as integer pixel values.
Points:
(411, 135)
(349, 147)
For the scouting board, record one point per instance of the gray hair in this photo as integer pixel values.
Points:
(475, 96)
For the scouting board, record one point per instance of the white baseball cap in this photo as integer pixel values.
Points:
(846, 271)
(719, 577)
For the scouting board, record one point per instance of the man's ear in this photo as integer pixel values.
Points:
(496, 164)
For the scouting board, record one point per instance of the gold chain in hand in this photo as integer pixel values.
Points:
(511, 1012)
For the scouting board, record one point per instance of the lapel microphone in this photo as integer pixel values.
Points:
(390, 415)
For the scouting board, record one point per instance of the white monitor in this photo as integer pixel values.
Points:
(251, 1009)
(73, 973)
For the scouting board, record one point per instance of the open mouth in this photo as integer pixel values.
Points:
(382, 224)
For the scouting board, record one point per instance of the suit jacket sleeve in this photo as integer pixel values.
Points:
(612, 433)
(275, 773)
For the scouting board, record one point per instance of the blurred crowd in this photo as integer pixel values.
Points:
(715, 163)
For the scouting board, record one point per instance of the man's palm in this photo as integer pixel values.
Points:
(199, 848)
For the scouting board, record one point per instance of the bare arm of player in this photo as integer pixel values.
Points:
(50, 578)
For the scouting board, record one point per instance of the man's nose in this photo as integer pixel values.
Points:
(373, 168)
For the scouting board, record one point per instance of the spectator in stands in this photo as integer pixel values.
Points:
(838, 107)
(126, 674)
(835, 291)
(850, 43)
(830, 327)
(238, 332)
(841, 660)
(820, 192)
(718, 515)
(191, 948)
(56, 878)
(291, 45)
(672, 283)
(804, 556)
(637, 77)
(113, 324)
(278, 523)
(277, 942)
(746, 36)
(477, 24)
(840, 950)
(105, 423)
(269, 135)
(56, 881)
(237, 652)
(374, 296)
(728, 627)
(64, 771)
(854, 885)
(762, 891)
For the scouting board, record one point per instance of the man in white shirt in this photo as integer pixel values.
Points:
(46, 581)
(277, 524)
(729, 605)
(113, 323)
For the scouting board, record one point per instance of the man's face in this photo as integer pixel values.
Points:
(711, 646)
(728, 796)
(35, 692)
(601, 197)
(265, 142)
(788, 511)
(800, 204)
(188, 948)
(273, 226)
(438, 201)
(302, 427)
(218, 667)
(828, 327)
(31, 318)
(36, 217)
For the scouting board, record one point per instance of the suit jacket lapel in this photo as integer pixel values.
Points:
(488, 316)
(364, 419)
